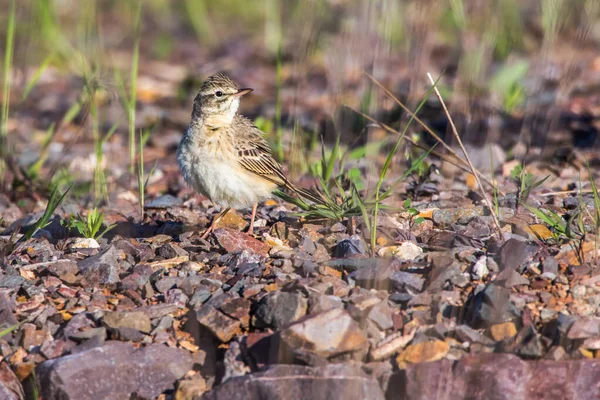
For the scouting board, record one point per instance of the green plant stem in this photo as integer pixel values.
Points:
(8, 54)
(133, 88)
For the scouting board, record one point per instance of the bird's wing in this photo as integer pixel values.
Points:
(254, 154)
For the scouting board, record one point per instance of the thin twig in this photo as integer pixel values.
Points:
(431, 132)
(566, 192)
(455, 132)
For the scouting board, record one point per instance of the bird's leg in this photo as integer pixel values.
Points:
(251, 227)
(213, 224)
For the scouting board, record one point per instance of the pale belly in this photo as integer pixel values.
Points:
(220, 179)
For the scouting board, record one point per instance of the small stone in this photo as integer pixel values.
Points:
(578, 291)
(406, 281)
(232, 220)
(547, 314)
(222, 326)
(503, 331)
(327, 334)
(279, 309)
(350, 247)
(391, 345)
(10, 387)
(406, 251)
(189, 389)
(423, 352)
(381, 315)
(84, 243)
(163, 202)
(480, 269)
(129, 319)
(234, 241)
(467, 334)
(584, 327)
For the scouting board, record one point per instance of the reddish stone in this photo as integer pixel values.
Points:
(233, 241)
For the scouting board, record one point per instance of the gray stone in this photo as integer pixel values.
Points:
(279, 309)
(490, 306)
(164, 201)
(467, 334)
(350, 247)
(114, 371)
(381, 315)
(406, 281)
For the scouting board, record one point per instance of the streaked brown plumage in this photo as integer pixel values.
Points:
(224, 156)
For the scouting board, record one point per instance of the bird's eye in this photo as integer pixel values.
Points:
(218, 93)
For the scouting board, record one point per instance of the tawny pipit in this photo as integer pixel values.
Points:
(224, 156)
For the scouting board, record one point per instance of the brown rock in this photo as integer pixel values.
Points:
(232, 220)
(189, 389)
(503, 331)
(497, 376)
(130, 319)
(423, 352)
(222, 326)
(327, 334)
(10, 387)
(233, 241)
(329, 382)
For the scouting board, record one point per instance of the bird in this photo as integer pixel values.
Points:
(225, 157)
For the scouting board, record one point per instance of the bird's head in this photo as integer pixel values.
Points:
(218, 98)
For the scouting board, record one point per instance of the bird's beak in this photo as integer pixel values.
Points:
(242, 92)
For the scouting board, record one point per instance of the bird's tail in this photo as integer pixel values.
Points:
(311, 195)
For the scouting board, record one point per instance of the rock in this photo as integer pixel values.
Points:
(503, 331)
(511, 278)
(130, 319)
(114, 371)
(328, 382)
(374, 274)
(578, 291)
(189, 389)
(480, 269)
(318, 303)
(327, 334)
(350, 247)
(391, 345)
(10, 387)
(233, 241)
(279, 309)
(232, 220)
(163, 202)
(511, 254)
(467, 334)
(104, 267)
(11, 281)
(406, 251)
(584, 327)
(381, 315)
(423, 352)
(550, 268)
(490, 306)
(497, 376)
(220, 325)
(406, 281)
(84, 243)
(171, 250)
